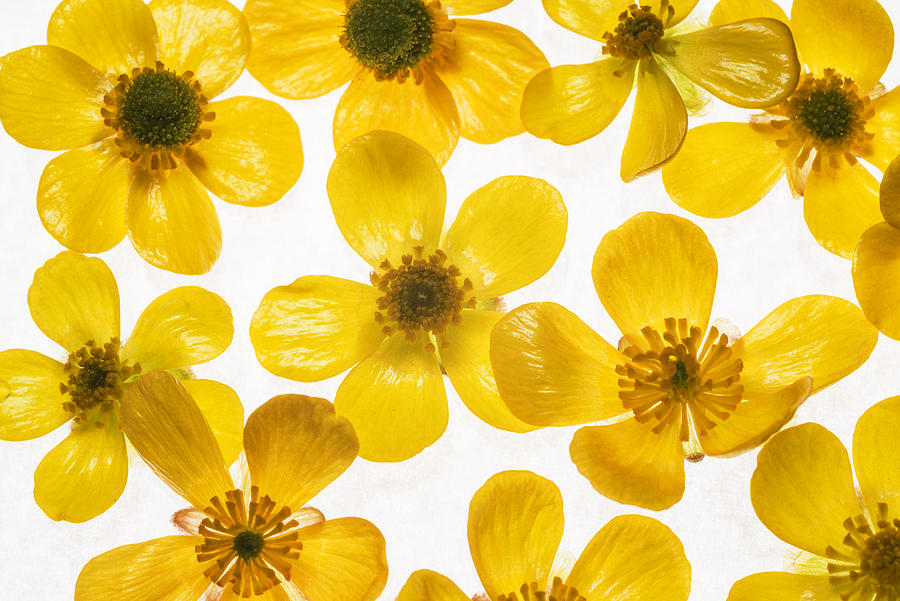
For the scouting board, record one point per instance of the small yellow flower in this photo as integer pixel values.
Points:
(751, 64)
(75, 302)
(413, 66)
(838, 115)
(676, 387)
(255, 541)
(129, 87)
(515, 526)
(803, 491)
(432, 300)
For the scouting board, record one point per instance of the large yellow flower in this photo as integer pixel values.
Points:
(128, 86)
(75, 302)
(433, 298)
(838, 115)
(676, 387)
(749, 63)
(255, 541)
(413, 67)
(803, 491)
(515, 526)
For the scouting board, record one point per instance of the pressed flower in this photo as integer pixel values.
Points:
(432, 301)
(75, 302)
(515, 526)
(803, 491)
(677, 387)
(838, 115)
(253, 541)
(129, 87)
(750, 63)
(414, 67)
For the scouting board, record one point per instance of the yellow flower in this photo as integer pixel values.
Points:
(838, 115)
(515, 526)
(751, 64)
(129, 87)
(75, 302)
(413, 67)
(803, 491)
(255, 541)
(433, 298)
(676, 387)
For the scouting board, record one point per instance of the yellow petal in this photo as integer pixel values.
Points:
(491, 65)
(164, 569)
(782, 586)
(876, 457)
(652, 267)
(210, 38)
(296, 446)
(507, 234)
(658, 124)
(839, 205)
(591, 18)
(876, 277)
(84, 474)
(885, 125)
(472, 7)
(115, 36)
(515, 525)
(633, 557)
(172, 223)
(571, 103)
(723, 169)
(395, 400)
(51, 99)
(168, 430)
(297, 51)
(30, 401)
(425, 585)
(855, 37)
(467, 363)
(74, 299)
(889, 194)
(223, 411)
(802, 489)
(729, 11)
(81, 198)
(552, 369)
(425, 113)
(183, 327)
(630, 464)
(387, 195)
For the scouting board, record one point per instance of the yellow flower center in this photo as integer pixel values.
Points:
(531, 592)
(156, 114)
(95, 378)
(638, 33)
(249, 543)
(869, 565)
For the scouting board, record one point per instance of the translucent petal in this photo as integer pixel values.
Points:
(876, 277)
(876, 457)
(885, 125)
(729, 11)
(223, 411)
(425, 585)
(782, 586)
(30, 402)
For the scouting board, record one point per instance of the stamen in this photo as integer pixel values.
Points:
(531, 592)
(868, 566)
(94, 383)
(638, 33)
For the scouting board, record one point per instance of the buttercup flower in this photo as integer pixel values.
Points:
(432, 300)
(751, 64)
(515, 525)
(676, 387)
(256, 541)
(75, 302)
(838, 115)
(803, 491)
(413, 66)
(129, 87)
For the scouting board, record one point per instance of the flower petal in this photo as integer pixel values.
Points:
(571, 103)
(876, 277)
(515, 525)
(115, 36)
(591, 18)
(782, 586)
(889, 194)
(552, 369)
(296, 446)
(472, 7)
(729, 11)
(885, 125)
(425, 585)
(632, 557)
(30, 402)
(172, 223)
(74, 299)
(210, 38)
(876, 457)
(388, 195)
(425, 113)
(395, 400)
(802, 489)
(507, 234)
(723, 169)
(223, 411)
(652, 267)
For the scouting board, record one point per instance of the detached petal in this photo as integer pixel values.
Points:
(876, 457)
(223, 411)
(876, 277)
(729, 11)
(30, 401)
(425, 585)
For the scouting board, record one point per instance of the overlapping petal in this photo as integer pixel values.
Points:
(876, 457)
(782, 586)
(591, 19)
(472, 7)
(889, 194)
(729, 11)
(30, 402)
(223, 411)
(876, 277)
(885, 127)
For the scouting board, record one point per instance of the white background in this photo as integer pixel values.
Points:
(766, 256)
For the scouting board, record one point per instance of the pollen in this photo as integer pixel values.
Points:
(638, 32)
(94, 381)
(532, 592)
(868, 564)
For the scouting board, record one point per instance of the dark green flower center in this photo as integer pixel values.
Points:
(160, 109)
(681, 377)
(828, 115)
(248, 544)
(389, 36)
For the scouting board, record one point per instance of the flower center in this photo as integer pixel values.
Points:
(249, 543)
(95, 378)
(638, 33)
(530, 592)
(869, 565)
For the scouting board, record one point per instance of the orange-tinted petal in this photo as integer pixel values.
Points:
(425, 585)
